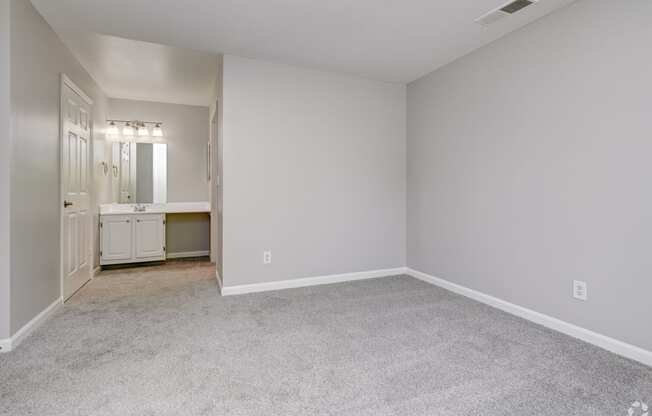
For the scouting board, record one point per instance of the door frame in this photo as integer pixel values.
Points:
(67, 82)
(216, 184)
(213, 179)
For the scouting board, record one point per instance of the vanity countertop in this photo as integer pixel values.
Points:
(167, 208)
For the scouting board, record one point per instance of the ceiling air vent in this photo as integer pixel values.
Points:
(504, 11)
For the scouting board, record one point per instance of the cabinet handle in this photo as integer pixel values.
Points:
(128, 221)
(137, 220)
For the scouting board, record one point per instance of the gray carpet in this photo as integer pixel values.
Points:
(161, 341)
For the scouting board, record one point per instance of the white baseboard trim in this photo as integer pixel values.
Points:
(9, 344)
(184, 254)
(610, 344)
(5, 345)
(310, 281)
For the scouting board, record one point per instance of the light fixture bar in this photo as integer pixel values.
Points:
(110, 120)
(135, 131)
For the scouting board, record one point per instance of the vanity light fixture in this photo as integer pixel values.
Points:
(127, 130)
(142, 130)
(112, 130)
(157, 131)
(134, 131)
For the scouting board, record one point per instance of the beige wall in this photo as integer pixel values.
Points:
(38, 58)
(314, 170)
(187, 233)
(5, 173)
(186, 132)
(529, 166)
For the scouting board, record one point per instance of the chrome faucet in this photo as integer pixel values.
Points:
(140, 208)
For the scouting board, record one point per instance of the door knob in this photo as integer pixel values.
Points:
(66, 204)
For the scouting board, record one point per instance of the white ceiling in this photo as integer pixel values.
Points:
(145, 71)
(391, 40)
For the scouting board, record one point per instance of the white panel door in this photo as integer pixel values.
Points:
(150, 236)
(117, 238)
(75, 181)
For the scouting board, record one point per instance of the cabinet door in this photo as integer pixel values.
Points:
(116, 238)
(150, 236)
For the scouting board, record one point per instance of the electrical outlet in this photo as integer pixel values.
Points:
(267, 257)
(580, 290)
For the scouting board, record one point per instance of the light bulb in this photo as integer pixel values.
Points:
(112, 130)
(127, 130)
(157, 131)
(142, 130)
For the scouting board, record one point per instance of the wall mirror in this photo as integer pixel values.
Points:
(139, 173)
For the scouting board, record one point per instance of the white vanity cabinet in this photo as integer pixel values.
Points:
(132, 238)
(149, 237)
(116, 239)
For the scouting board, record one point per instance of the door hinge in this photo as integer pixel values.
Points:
(101, 225)
(163, 222)
(163, 248)
(100, 253)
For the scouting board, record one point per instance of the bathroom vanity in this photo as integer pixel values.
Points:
(135, 233)
(141, 225)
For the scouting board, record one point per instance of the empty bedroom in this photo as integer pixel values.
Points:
(218, 207)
